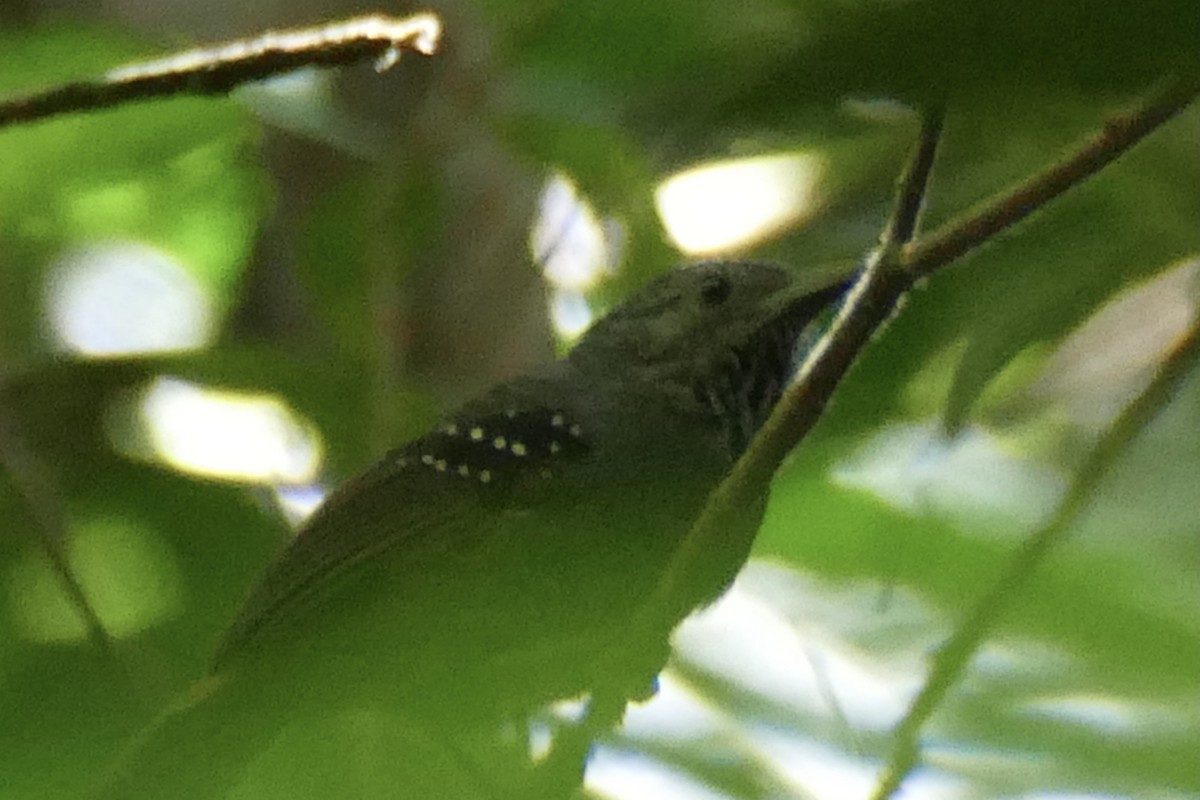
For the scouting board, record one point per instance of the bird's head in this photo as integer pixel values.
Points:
(720, 335)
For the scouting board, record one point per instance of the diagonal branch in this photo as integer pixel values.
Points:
(954, 656)
(724, 524)
(220, 69)
(914, 184)
(1119, 134)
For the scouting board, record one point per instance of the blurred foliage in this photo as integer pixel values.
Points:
(179, 176)
(618, 95)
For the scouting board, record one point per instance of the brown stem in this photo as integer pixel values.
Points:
(914, 183)
(1119, 134)
(220, 69)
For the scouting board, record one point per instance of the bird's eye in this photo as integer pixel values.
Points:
(715, 290)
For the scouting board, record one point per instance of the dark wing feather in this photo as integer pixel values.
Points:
(449, 482)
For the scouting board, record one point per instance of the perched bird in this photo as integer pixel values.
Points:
(493, 565)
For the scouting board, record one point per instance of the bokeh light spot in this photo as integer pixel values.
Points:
(126, 298)
(730, 204)
(575, 249)
(240, 436)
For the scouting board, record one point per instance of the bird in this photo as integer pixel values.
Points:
(493, 565)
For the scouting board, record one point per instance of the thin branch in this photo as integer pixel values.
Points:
(953, 657)
(220, 69)
(36, 488)
(1119, 134)
(724, 523)
(914, 184)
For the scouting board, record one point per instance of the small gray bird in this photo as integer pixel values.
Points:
(493, 565)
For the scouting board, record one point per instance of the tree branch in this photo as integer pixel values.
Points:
(914, 184)
(1120, 132)
(954, 656)
(220, 69)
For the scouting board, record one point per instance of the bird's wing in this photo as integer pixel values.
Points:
(421, 499)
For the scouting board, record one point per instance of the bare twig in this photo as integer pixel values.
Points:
(914, 185)
(956, 653)
(220, 69)
(1119, 134)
